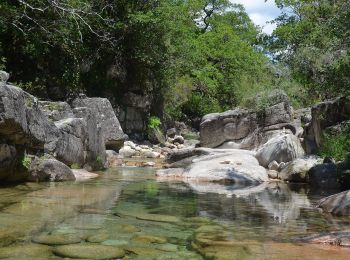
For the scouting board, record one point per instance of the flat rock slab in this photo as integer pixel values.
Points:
(222, 166)
(89, 251)
(82, 174)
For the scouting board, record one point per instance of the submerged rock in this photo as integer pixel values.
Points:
(338, 238)
(30, 251)
(150, 239)
(152, 217)
(57, 239)
(337, 204)
(89, 251)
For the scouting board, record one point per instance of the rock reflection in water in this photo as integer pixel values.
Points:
(273, 200)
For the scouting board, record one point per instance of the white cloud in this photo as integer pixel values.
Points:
(261, 12)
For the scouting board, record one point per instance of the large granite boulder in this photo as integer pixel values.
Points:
(284, 147)
(10, 163)
(298, 169)
(325, 115)
(323, 176)
(233, 125)
(95, 141)
(75, 135)
(49, 170)
(56, 111)
(248, 129)
(337, 204)
(220, 166)
(71, 147)
(22, 122)
(106, 120)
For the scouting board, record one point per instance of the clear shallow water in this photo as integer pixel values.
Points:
(129, 209)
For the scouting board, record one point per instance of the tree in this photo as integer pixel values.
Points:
(312, 37)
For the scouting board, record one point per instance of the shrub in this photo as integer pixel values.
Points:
(336, 146)
(154, 122)
(26, 162)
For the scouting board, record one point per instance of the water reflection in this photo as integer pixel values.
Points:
(129, 209)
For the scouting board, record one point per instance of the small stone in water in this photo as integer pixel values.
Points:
(150, 239)
(115, 242)
(89, 251)
(57, 239)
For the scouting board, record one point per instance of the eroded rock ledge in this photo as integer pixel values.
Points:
(75, 134)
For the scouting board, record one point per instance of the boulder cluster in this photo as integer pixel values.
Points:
(75, 134)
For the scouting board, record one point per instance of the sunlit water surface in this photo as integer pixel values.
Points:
(128, 209)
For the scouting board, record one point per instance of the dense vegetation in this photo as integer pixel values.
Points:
(190, 57)
(313, 38)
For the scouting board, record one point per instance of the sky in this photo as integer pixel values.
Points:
(261, 12)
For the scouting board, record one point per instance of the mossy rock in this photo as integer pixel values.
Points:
(57, 239)
(89, 251)
(150, 239)
(98, 238)
(150, 217)
(26, 252)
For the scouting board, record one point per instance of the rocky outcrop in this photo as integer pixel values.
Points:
(49, 170)
(10, 162)
(235, 125)
(325, 115)
(337, 204)
(247, 129)
(134, 112)
(106, 119)
(281, 148)
(323, 176)
(298, 169)
(73, 134)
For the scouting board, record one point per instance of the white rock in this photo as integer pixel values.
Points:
(4, 76)
(244, 168)
(130, 144)
(127, 152)
(148, 164)
(273, 166)
(297, 170)
(151, 154)
(281, 148)
(178, 139)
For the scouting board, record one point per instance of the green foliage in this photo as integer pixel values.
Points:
(191, 57)
(311, 37)
(99, 159)
(154, 122)
(336, 146)
(26, 162)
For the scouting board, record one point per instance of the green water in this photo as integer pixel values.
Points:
(126, 213)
